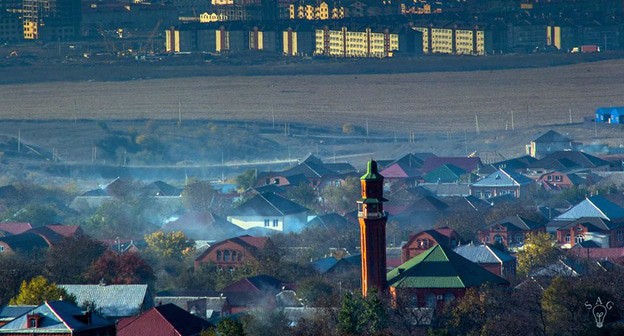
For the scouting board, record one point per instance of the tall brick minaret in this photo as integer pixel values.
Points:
(372, 230)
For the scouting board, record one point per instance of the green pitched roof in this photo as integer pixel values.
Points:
(371, 172)
(439, 267)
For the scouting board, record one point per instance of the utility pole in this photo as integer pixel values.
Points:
(570, 110)
(477, 123)
(179, 113)
(367, 127)
(19, 140)
(512, 121)
(273, 114)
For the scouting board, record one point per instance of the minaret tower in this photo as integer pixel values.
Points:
(372, 230)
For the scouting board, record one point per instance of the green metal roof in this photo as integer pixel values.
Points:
(439, 267)
(371, 172)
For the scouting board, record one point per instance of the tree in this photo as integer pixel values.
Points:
(246, 180)
(362, 316)
(169, 244)
(36, 214)
(83, 251)
(303, 194)
(230, 327)
(540, 249)
(13, 269)
(38, 290)
(314, 291)
(342, 198)
(199, 196)
(127, 268)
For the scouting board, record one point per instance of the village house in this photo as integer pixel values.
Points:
(424, 240)
(311, 171)
(58, 318)
(548, 143)
(437, 277)
(493, 260)
(510, 231)
(405, 171)
(600, 232)
(167, 319)
(234, 252)
(502, 182)
(567, 161)
(113, 301)
(269, 211)
(556, 180)
(202, 303)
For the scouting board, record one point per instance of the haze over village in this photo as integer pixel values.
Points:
(281, 167)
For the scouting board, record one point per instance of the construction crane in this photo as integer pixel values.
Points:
(150, 39)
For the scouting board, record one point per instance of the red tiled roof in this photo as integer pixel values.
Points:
(15, 227)
(65, 230)
(258, 242)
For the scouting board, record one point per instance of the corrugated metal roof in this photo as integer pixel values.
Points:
(111, 300)
(58, 316)
(503, 178)
(595, 206)
(483, 254)
(440, 267)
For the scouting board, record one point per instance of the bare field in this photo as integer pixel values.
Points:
(420, 102)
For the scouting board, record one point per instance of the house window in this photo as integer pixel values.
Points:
(549, 178)
(226, 255)
(276, 181)
(567, 238)
(275, 223)
(498, 239)
(558, 178)
(233, 255)
(32, 323)
(579, 238)
(1, 249)
(219, 256)
(430, 300)
(267, 222)
(519, 238)
(620, 237)
(449, 297)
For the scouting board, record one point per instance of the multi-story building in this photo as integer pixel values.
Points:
(362, 43)
(454, 40)
(322, 11)
(51, 20)
(298, 42)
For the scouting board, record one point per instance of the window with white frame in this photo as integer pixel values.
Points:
(579, 238)
(267, 222)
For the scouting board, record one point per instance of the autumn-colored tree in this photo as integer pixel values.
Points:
(83, 251)
(246, 180)
(127, 268)
(38, 290)
(173, 244)
(539, 250)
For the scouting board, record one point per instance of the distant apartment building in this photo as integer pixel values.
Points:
(567, 37)
(322, 11)
(51, 20)
(454, 40)
(363, 42)
(298, 42)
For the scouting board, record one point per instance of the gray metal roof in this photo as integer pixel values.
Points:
(503, 178)
(595, 206)
(483, 254)
(111, 300)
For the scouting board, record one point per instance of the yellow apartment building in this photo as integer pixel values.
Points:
(344, 43)
(453, 41)
(311, 12)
